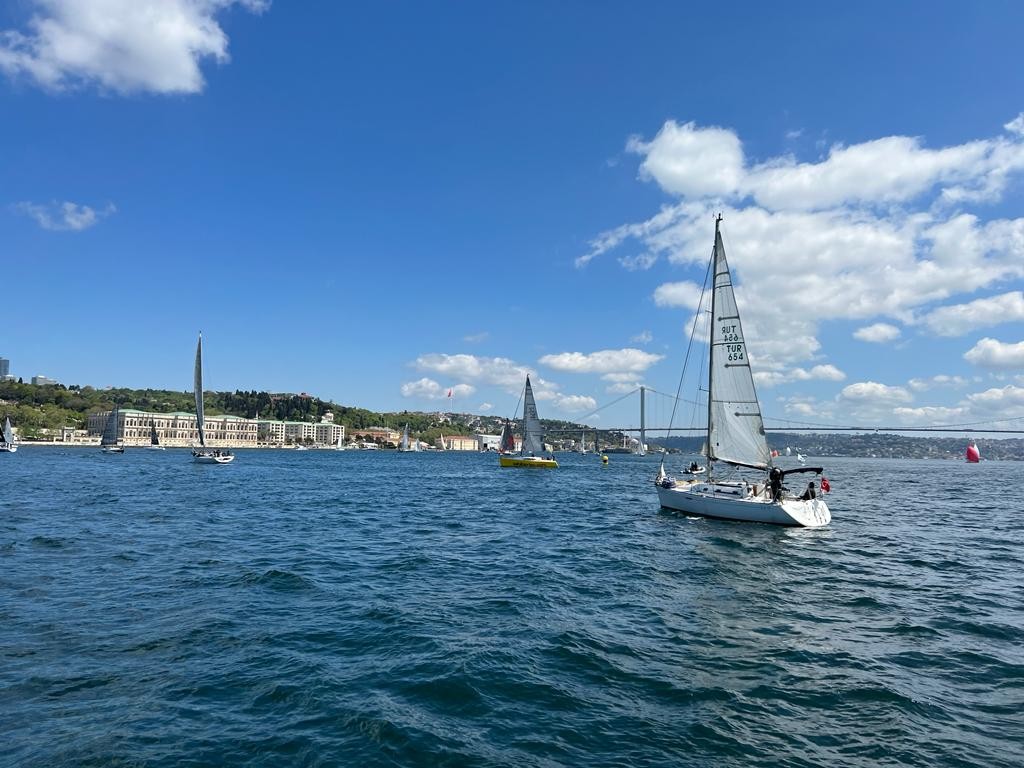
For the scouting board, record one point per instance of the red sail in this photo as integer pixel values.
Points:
(972, 455)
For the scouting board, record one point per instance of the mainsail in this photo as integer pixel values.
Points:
(405, 439)
(8, 432)
(507, 443)
(153, 439)
(199, 391)
(735, 426)
(110, 430)
(533, 434)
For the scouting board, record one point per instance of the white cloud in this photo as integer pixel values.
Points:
(66, 216)
(691, 161)
(990, 353)
(639, 262)
(877, 333)
(603, 361)
(864, 233)
(794, 134)
(644, 337)
(959, 319)
(818, 372)
(873, 393)
(1016, 125)
(1003, 402)
(120, 45)
(476, 338)
(485, 407)
(928, 415)
(428, 389)
(941, 380)
(503, 373)
(683, 294)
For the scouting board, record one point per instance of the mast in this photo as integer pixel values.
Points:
(199, 391)
(711, 336)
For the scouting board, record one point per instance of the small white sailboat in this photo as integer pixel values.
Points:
(7, 444)
(583, 443)
(404, 444)
(202, 454)
(154, 438)
(440, 446)
(340, 445)
(109, 442)
(532, 449)
(735, 432)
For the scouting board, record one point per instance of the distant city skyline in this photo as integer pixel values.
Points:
(385, 205)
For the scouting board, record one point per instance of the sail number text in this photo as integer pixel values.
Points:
(734, 350)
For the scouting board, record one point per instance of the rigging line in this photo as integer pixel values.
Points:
(689, 345)
(609, 405)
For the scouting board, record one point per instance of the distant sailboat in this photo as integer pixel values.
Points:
(441, 441)
(973, 455)
(583, 442)
(109, 442)
(7, 445)
(533, 439)
(404, 445)
(202, 454)
(154, 439)
(507, 442)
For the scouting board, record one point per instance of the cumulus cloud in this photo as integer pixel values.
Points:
(877, 333)
(941, 380)
(824, 372)
(644, 337)
(66, 216)
(428, 389)
(875, 393)
(120, 45)
(603, 361)
(959, 319)
(485, 407)
(683, 294)
(503, 373)
(990, 353)
(865, 232)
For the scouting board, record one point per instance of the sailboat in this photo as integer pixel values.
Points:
(507, 441)
(7, 445)
(404, 445)
(973, 455)
(440, 446)
(154, 439)
(583, 443)
(735, 432)
(202, 454)
(109, 442)
(533, 439)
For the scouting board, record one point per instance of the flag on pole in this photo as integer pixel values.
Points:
(449, 393)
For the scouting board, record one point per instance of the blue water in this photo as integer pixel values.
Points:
(326, 608)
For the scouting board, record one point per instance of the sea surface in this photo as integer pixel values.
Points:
(326, 608)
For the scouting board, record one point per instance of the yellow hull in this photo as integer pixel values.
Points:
(534, 462)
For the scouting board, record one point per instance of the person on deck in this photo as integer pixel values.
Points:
(809, 493)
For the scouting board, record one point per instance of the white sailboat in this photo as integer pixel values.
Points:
(404, 444)
(109, 442)
(532, 449)
(7, 444)
(583, 443)
(735, 432)
(154, 439)
(440, 446)
(202, 454)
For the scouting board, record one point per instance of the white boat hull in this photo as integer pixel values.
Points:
(209, 458)
(112, 449)
(8, 449)
(154, 448)
(727, 502)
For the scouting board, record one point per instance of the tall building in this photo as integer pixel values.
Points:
(41, 380)
(5, 367)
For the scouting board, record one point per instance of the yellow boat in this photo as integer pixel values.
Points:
(533, 439)
(536, 462)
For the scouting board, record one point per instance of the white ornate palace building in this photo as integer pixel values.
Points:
(179, 429)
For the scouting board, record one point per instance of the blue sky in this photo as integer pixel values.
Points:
(377, 203)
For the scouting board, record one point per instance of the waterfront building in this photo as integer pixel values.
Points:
(294, 432)
(178, 429)
(459, 443)
(380, 435)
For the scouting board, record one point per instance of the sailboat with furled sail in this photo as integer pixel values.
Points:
(531, 453)
(203, 454)
(735, 432)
